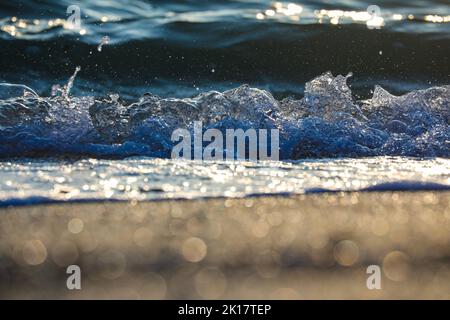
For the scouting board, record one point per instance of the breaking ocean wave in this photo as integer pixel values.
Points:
(328, 122)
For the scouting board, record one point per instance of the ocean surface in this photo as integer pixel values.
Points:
(359, 91)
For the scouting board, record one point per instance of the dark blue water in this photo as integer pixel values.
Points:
(180, 48)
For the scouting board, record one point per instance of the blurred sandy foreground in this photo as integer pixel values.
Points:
(302, 247)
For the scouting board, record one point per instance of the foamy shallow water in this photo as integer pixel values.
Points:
(37, 181)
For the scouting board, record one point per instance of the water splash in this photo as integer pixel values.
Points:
(66, 89)
(104, 41)
(327, 122)
(26, 90)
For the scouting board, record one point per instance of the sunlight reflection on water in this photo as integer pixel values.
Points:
(150, 179)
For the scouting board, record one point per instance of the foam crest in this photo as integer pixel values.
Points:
(327, 122)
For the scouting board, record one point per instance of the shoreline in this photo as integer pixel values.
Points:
(315, 246)
(395, 187)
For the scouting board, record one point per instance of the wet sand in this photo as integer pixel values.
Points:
(302, 247)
